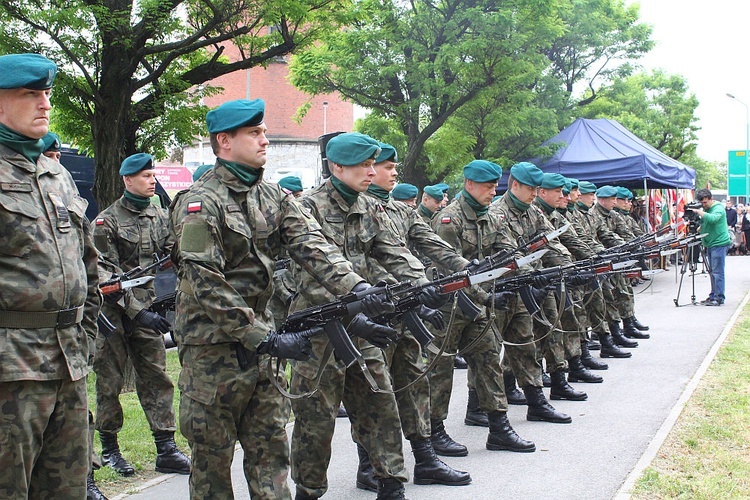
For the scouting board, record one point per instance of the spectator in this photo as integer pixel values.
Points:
(716, 241)
(744, 225)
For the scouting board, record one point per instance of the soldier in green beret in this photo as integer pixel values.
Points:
(405, 193)
(201, 170)
(467, 225)
(52, 146)
(291, 184)
(358, 225)
(524, 220)
(433, 200)
(229, 228)
(128, 234)
(49, 298)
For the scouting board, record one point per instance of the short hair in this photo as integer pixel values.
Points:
(215, 143)
(703, 194)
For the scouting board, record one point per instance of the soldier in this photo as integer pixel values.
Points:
(201, 170)
(524, 221)
(291, 184)
(49, 297)
(433, 200)
(404, 357)
(128, 234)
(406, 193)
(52, 146)
(466, 225)
(229, 227)
(359, 226)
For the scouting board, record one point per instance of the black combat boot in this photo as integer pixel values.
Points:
(589, 361)
(300, 495)
(539, 408)
(503, 437)
(630, 331)
(579, 373)
(429, 469)
(618, 338)
(513, 393)
(443, 444)
(168, 458)
(92, 490)
(365, 472)
(111, 454)
(390, 489)
(561, 389)
(474, 414)
(639, 325)
(609, 349)
(546, 380)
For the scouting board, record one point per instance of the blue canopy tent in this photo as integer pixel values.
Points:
(604, 152)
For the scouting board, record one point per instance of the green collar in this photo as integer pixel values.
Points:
(426, 211)
(139, 202)
(582, 206)
(378, 192)
(518, 203)
(547, 209)
(349, 195)
(246, 174)
(29, 148)
(478, 208)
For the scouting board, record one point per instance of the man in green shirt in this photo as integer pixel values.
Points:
(717, 241)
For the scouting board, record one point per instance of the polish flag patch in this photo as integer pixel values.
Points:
(99, 221)
(194, 207)
(445, 220)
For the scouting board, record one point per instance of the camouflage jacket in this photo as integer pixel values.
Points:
(128, 237)
(227, 238)
(569, 239)
(608, 219)
(420, 238)
(48, 264)
(597, 228)
(632, 225)
(578, 222)
(525, 224)
(474, 236)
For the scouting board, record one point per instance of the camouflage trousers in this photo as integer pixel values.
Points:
(611, 312)
(406, 364)
(573, 331)
(145, 348)
(483, 357)
(374, 420)
(624, 298)
(521, 346)
(221, 404)
(551, 338)
(44, 446)
(595, 309)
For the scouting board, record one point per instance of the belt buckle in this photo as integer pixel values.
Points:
(67, 317)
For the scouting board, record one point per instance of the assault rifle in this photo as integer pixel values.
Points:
(134, 277)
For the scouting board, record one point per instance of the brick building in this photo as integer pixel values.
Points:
(294, 149)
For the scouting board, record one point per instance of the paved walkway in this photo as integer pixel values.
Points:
(613, 435)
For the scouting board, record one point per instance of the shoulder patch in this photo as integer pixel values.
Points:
(99, 221)
(194, 207)
(445, 220)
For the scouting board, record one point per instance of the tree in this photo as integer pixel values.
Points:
(655, 106)
(416, 64)
(131, 73)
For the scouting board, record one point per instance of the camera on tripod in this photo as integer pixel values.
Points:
(691, 217)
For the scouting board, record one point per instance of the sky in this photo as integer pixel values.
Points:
(708, 43)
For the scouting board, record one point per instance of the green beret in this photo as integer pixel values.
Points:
(352, 149)
(434, 192)
(567, 187)
(51, 142)
(29, 71)
(574, 182)
(387, 152)
(404, 191)
(552, 181)
(291, 183)
(442, 186)
(586, 187)
(606, 192)
(624, 193)
(201, 170)
(135, 163)
(527, 173)
(235, 114)
(483, 171)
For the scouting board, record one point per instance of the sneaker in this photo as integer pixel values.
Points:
(711, 302)
(706, 301)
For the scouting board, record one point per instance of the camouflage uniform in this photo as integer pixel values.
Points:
(518, 328)
(48, 308)
(405, 356)
(365, 235)
(128, 237)
(228, 235)
(475, 237)
(616, 226)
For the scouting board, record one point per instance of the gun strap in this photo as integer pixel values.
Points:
(272, 376)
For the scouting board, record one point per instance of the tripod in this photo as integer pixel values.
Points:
(690, 258)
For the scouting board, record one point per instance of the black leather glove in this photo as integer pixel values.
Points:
(114, 297)
(432, 298)
(376, 334)
(500, 300)
(432, 316)
(540, 295)
(473, 266)
(375, 304)
(295, 345)
(538, 281)
(580, 279)
(152, 320)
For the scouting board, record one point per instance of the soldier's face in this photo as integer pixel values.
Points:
(523, 192)
(142, 184)
(385, 175)
(247, 145)
(552, 197)
(608, 203)
(431, 203)
(587, 199)
(55, 155)
(574, 195)
(621, 203)
(483, 192)
(357, 177)
(445, 201)
(25, 111)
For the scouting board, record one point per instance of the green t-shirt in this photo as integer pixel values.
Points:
(714, 225)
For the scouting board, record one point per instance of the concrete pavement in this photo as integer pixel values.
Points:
(613, 434)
